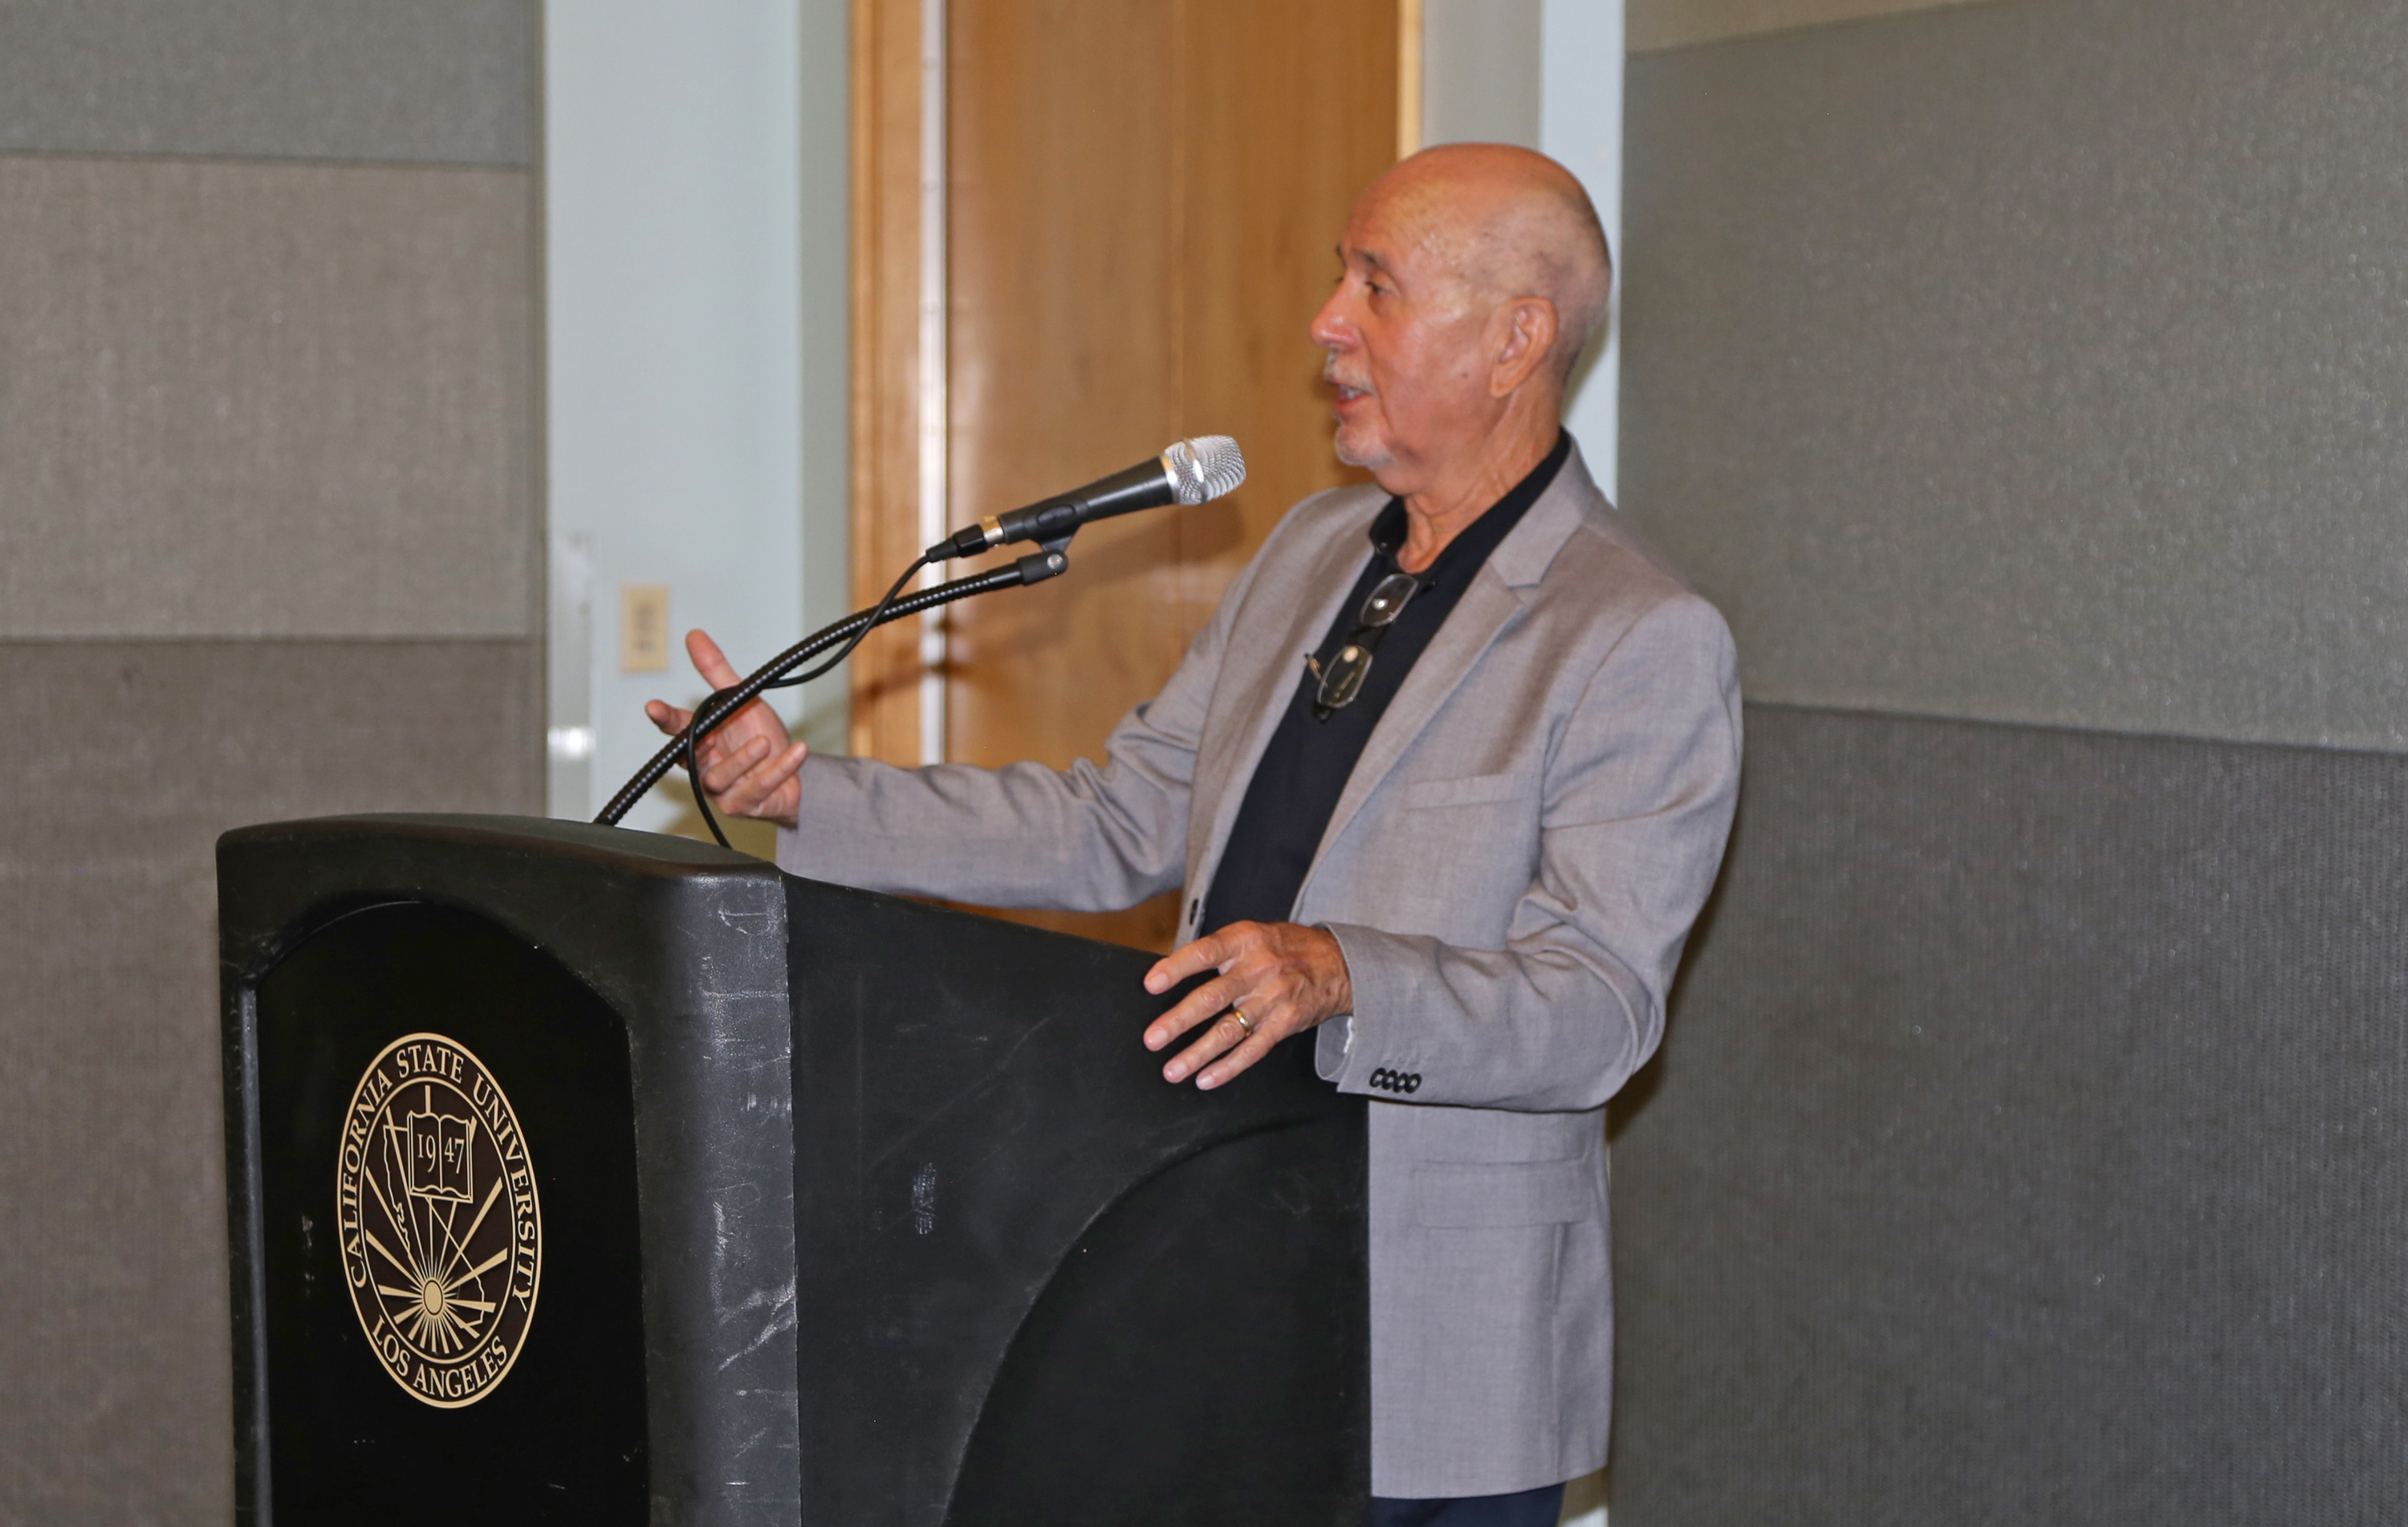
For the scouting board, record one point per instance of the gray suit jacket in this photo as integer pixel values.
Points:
(1511, 872)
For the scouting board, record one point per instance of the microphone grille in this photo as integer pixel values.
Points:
(1205, 467)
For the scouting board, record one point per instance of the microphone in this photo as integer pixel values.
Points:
(1190, 472)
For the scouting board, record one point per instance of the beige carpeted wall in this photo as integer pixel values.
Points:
(2023, 380)
(269, 513)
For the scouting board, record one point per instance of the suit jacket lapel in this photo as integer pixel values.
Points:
(1496, 595)
(1260, 688)
(1483, 611)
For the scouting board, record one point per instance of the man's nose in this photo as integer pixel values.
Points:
(1330, 330)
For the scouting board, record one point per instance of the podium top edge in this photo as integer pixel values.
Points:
(627, 846)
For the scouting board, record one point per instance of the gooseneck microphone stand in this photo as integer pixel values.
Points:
(1191, 471)
(1050, 560)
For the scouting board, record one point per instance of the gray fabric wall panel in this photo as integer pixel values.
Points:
(127, 760)
(249, 399)
(1676, 24)
(268, 286)
(1480, 71)
(441, 81)
(2038, 362)
(2029, 1142)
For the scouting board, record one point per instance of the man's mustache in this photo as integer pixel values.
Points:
(1330, 373)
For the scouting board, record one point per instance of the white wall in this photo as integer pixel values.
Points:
(1546, 74)
(1581, 125)
(696, 301)
(1480, 71)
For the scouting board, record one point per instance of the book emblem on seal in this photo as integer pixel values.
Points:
(442, 1236)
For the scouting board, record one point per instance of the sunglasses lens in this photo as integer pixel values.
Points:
(1389, 598)
(1344, 679)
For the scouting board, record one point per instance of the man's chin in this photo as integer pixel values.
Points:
(1373, 455)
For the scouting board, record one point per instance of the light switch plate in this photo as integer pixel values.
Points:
(643, 628)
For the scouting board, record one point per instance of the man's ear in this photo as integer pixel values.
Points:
(1525, 330)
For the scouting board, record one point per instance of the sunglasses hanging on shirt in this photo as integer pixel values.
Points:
(1342, 679)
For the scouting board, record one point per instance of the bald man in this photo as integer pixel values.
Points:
(1461, 842)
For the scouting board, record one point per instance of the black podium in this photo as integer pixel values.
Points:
(586, 1175)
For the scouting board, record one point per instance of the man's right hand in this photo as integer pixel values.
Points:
(748, 760)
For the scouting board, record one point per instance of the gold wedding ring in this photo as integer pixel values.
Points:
(1243, 1022)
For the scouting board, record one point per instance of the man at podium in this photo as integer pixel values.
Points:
(1462, 841)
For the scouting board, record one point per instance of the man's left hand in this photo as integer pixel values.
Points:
(1285, 978)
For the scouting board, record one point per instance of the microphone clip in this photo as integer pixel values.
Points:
(1060, 517)
(1050, 560)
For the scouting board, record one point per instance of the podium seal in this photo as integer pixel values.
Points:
(442, 1236)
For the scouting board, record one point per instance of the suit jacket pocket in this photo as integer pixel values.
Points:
(1476, 791)
(1495, 1197)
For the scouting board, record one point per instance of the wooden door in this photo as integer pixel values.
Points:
(1143, 200)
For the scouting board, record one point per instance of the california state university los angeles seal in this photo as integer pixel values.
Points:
(442, 1238)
